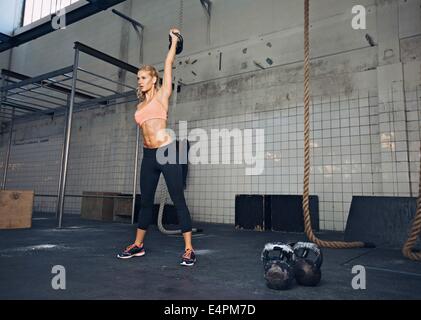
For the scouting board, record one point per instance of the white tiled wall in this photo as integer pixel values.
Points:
(359, 146)
(348, 157)
(101, 158)
(413, 118)
(34, 165)
(345, 158)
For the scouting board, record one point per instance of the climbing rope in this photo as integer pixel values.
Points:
(416, 228)
(307, 220)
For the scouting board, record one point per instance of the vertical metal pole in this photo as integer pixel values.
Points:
(136, 158)
(141, 47)
(6, 162)
(67, 142)
(60, 178)
(174, 102)
(1, 107)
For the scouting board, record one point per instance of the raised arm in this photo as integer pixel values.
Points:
(167, 79)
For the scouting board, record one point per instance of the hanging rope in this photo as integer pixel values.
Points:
(306, 210)
(416, 228)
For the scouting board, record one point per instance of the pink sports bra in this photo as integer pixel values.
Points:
(153, 110)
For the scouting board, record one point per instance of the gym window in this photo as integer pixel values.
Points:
(35, 10)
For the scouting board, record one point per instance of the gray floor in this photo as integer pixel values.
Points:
(228, 266)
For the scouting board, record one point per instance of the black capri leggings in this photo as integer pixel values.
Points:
(150, 171)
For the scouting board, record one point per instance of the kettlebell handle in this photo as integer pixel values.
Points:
(180, 41)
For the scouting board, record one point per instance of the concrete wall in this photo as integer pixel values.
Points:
(4, 60)
(365, 107)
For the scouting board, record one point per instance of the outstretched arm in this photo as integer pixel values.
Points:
(167, 80)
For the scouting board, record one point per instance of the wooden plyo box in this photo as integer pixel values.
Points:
(123, 207)
(96, 205)
(16, 209)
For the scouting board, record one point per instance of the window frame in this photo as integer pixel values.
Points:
(48, 18)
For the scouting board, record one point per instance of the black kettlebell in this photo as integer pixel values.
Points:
(278, 261)
(179, 48)
(308, 250)
(307, 273)
(307, 265)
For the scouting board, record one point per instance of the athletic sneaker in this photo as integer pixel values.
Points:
(132, 251)
(188, 258)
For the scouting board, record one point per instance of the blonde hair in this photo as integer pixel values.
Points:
(154, 73)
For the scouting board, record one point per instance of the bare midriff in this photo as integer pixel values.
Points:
(155, 134)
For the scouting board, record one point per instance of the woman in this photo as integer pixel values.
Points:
(151, 116)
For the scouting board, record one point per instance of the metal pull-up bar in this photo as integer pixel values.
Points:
(105, 57)
(80, 47)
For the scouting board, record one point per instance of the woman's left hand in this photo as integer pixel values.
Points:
(173, 36)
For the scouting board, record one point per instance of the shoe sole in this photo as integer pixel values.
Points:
(140, 254)
(187, 264)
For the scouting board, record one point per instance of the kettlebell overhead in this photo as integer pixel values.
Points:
(179, 47)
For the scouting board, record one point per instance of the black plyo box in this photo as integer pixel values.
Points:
(249, 212)
(287, 212)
